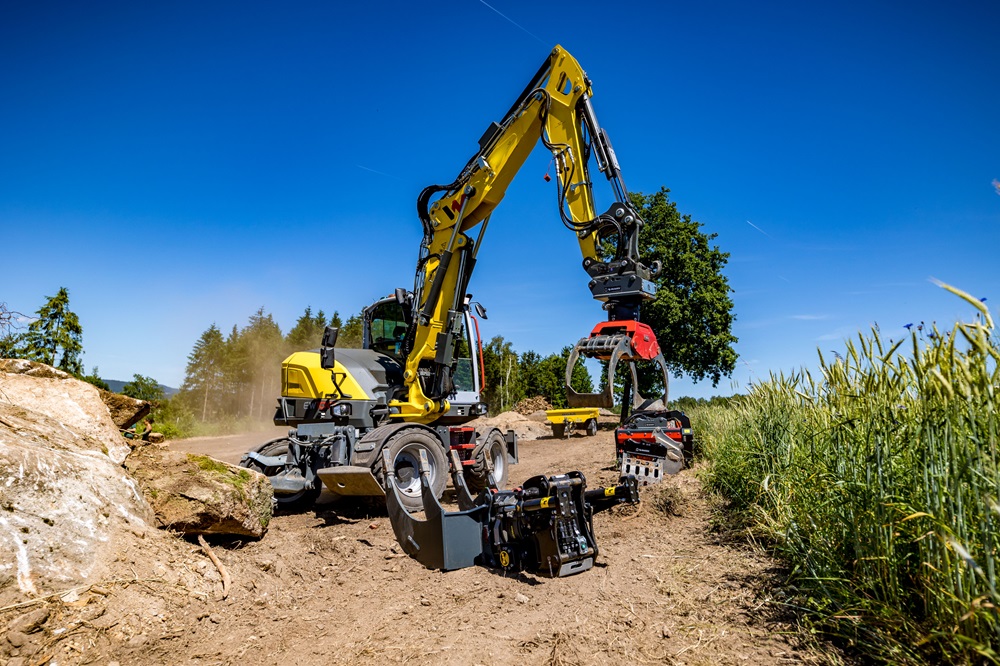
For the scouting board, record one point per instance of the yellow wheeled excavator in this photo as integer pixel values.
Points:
(409, 392)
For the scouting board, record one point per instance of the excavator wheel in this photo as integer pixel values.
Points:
(300, 500)
(404, 450)
(495, 447)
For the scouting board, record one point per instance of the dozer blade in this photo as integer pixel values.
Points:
(350, 480)
(615, 341)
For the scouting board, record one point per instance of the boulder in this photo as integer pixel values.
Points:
(68, 401)
(125, 411)
(195, 494)
(65, 506)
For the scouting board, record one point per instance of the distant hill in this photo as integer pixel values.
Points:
(117, 385)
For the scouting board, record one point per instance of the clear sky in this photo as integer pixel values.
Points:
(176, 164)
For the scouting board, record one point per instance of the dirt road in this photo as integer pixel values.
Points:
(332, 586)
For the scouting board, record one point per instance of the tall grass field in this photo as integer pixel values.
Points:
(877, 481)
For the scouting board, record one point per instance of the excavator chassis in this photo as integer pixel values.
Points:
(545, 527)
(316, 455)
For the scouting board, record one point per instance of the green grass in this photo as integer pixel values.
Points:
(877, 481)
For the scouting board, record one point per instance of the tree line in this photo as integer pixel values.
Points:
(237, 375)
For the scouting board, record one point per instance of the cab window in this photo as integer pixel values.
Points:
(463, 377)
(388, 328)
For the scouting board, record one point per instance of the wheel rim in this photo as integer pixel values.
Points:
(406, 467)
(499, 461)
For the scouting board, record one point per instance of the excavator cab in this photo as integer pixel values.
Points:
(385, 327)
(386, 323)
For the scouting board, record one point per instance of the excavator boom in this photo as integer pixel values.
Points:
(554, 109)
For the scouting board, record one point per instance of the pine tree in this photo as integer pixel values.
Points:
(57, 329)
(350, 336)
(307, 332)
(235, 373)
(205, 370)
(263, 344)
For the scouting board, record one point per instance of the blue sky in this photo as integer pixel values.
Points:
(179, 164)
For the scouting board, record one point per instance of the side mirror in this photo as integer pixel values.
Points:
(480, 310)
(330, 336)
(400, 295)
(326, 358)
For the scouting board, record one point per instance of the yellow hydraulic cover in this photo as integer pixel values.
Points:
(303, 377)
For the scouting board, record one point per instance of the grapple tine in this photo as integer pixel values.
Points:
(614, 342)
(606, 349)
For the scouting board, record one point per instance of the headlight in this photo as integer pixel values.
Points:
(341, 409)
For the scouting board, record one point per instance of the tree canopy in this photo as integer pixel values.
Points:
(55, 337)
(143, 388)
(511, 377)
(692, 314)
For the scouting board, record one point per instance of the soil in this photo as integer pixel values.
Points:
(331, 585)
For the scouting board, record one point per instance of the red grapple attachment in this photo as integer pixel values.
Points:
(615, 341)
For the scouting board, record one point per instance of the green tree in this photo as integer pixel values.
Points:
(205, 371)
(547, 376)
(143, 388)
(235, 372)
(350, 336)
(308, 330)
(56, 333)
(95, 378)
(692, 314)
(503, 386)
(263, 350)
(529, 369)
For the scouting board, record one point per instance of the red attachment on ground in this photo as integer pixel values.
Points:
(626, 435)
(643, 339)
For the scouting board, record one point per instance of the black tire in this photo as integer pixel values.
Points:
(494, 446)
(591, 427)
(300, 500)
(404, 449)
(558, 430)
(689, 453)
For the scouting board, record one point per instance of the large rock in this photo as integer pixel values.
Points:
(65, 506)
(125, 411)
(75, 404)
(196, 494)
